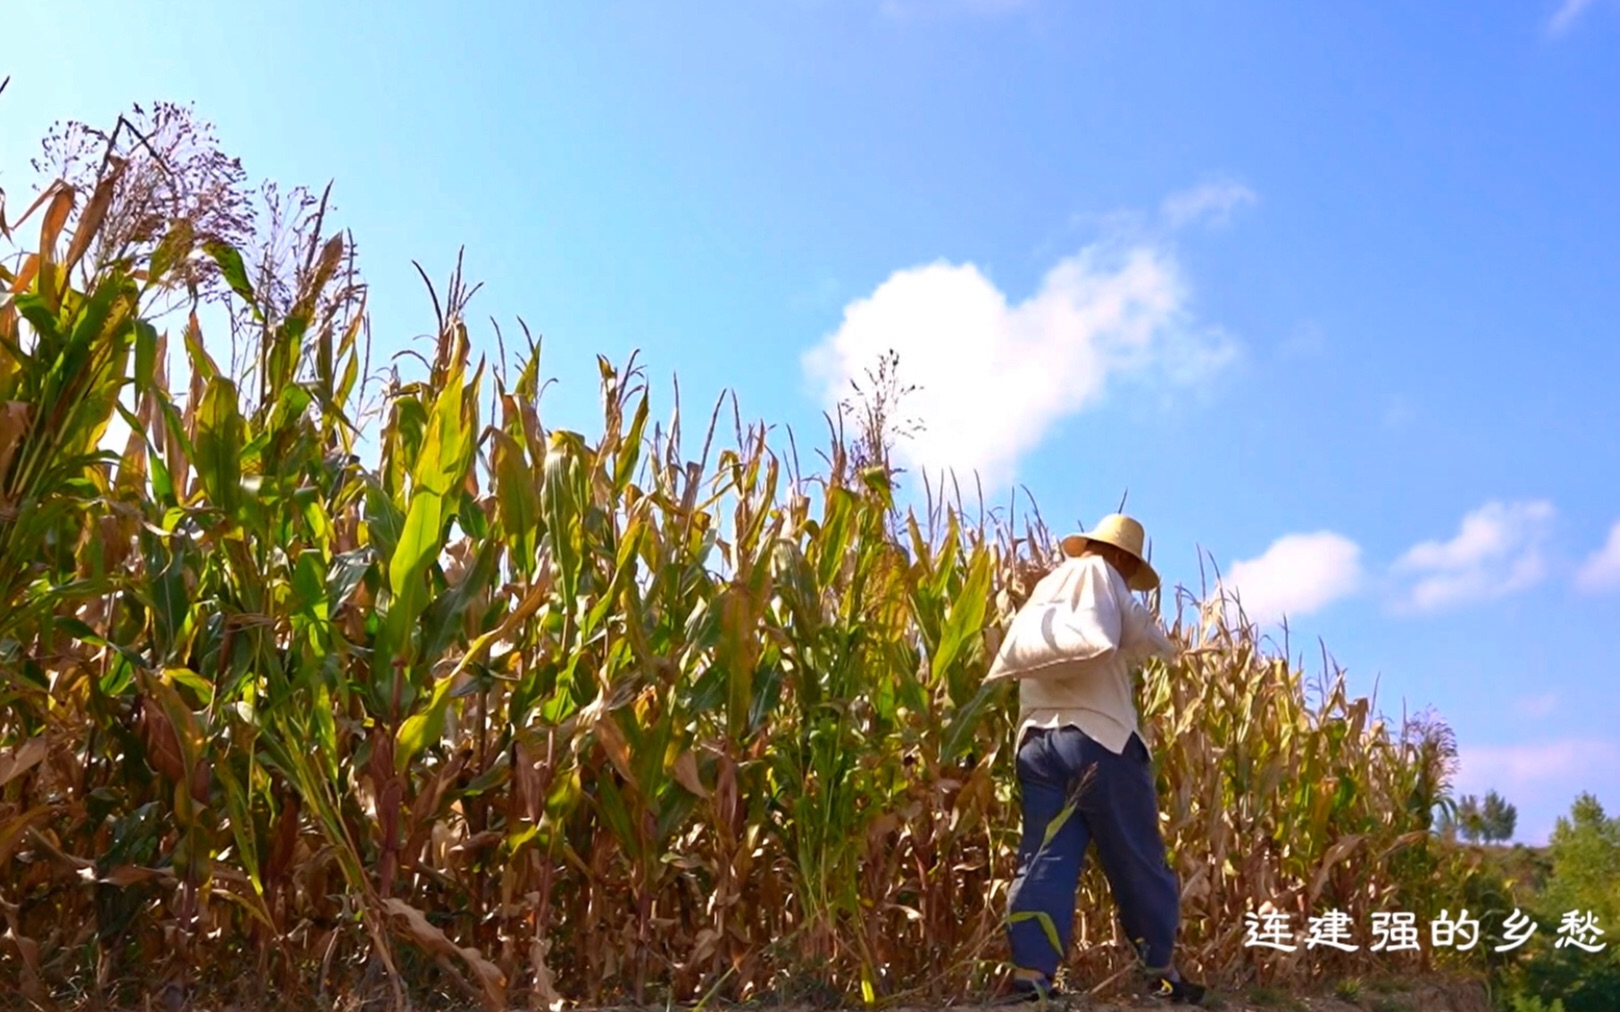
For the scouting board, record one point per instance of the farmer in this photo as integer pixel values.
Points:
(1072, 647)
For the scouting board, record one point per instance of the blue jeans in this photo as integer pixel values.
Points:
(1116, 806)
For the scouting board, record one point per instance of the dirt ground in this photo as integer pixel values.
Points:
(1374, 996)
(1462, 996)
(1379, 996)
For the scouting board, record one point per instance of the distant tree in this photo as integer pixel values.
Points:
(1585, 853)
(1586, 862)
(1500, 819)
(1470, 819)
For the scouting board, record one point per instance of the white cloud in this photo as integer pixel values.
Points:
(1497, 551)
(1212, 201)
(1601, 570)
(1298, 574)
(1482, 767)
(1566, 15)
(995, 377)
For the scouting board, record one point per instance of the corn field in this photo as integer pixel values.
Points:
(526, 716)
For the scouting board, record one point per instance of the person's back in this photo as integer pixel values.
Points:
(1081, 751)
(1106, 632)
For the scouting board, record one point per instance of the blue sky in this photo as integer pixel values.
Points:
(1331, 292)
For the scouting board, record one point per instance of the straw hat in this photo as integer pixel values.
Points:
(1123, 533)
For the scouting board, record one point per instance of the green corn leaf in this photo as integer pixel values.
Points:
(421, 538)
(310, 588)
(423, 728)
(629, 451)
(964, 622)
(220, 437)
(444, 618)
(1047, 926)
(965, 720)
(420, 542)
(517, 503)
(835, 535)
(561, 497)
(611, 803)
(441, 466)
(240, 809)
(233, 270)
(193, 681)
(385, 522)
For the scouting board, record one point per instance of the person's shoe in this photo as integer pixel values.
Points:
(1177, 991)
(1034, 993)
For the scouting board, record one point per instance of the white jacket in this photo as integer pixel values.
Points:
(1072, 647)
